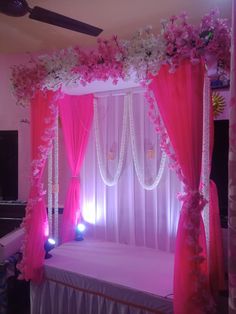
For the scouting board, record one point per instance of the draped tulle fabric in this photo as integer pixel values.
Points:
(216, 266)
(179, 97)
(43, 115)
(76, 114)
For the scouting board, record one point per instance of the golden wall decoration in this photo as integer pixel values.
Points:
(218, 102)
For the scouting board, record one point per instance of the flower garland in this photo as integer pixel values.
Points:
(143, 54)
(101, 164)
(37, 191)
(127, 130)
(140, 172)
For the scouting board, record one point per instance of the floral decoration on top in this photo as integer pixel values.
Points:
(143, 55)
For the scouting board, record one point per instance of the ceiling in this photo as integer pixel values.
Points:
(119, 17)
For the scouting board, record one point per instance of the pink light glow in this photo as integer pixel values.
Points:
(46, 229)
(77, 217)
(91, 213)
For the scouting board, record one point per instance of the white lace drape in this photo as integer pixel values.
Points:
(126, 212)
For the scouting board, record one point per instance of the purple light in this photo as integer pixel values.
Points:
(81, 227)
(48, 246)
(51, 241)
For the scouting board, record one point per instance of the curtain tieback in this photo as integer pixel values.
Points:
(193, 199)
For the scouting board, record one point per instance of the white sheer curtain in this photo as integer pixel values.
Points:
(126, 212)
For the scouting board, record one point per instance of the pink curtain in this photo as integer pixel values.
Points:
(216, 265)
(179, 96)
(43, 115)
(76, 115)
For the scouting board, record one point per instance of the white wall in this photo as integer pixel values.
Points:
(10, 119)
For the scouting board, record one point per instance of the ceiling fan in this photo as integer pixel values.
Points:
(20, 8)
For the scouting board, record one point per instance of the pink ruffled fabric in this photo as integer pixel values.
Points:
(216, 263)
(43, 118)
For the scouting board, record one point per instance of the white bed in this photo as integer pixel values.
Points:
(90, 277)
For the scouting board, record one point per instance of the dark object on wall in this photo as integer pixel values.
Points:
(8, 165)
(219, 84)
(17, 8)
(11, 216)
(219, 170)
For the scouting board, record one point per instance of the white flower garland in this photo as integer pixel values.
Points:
(139, 171)
(127, 117)
(123, 145)
(59, 65)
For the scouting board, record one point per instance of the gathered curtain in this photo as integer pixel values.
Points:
(76, 114)
(43, 117)
(179, 97)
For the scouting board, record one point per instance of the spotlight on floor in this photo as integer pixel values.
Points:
(79, 234)
(48, 246)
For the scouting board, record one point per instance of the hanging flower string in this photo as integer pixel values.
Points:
(143, 54)
(37, 191)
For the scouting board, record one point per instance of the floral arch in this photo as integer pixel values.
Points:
(164, 63)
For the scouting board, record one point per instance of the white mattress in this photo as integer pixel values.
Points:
(140, 276)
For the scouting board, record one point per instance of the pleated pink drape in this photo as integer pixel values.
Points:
(216, 264)
(179, 97)
(76, 114)
(43, 117)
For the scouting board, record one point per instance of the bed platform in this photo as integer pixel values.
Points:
(90, 277)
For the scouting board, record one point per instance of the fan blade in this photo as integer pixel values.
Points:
(53, 18)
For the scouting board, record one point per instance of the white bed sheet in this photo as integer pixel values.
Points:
(140, 278)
